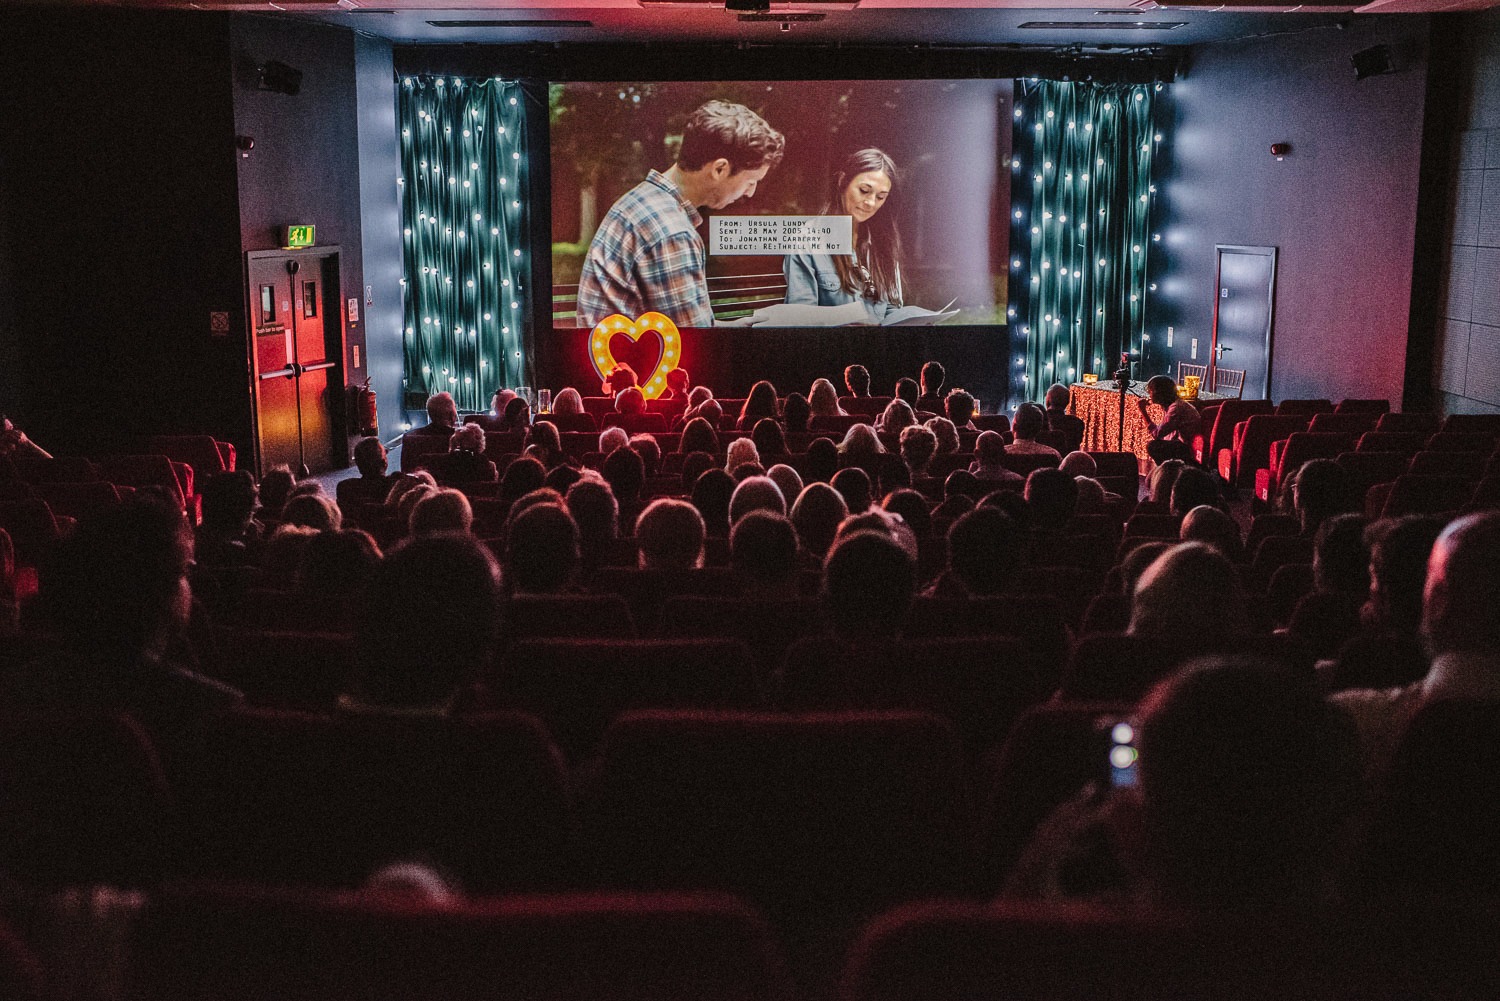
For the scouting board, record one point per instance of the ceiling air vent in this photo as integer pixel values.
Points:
(1103, 25)
(513, 23)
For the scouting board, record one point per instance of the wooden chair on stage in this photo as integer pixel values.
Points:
(1185, 369)
(1229, 382)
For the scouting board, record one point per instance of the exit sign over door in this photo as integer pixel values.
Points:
(299, 236)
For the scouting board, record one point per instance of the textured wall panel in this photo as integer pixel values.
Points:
(1465, 198)
(1486, 287)
(1453, 357)
(1489, 211)
(1492, 148)
(1472, 149)
(1484, 364)
(1456, 295)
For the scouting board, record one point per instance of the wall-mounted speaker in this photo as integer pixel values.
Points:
(280, 78)
(1374, 61)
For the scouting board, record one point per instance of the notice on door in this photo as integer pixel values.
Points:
(739, 235)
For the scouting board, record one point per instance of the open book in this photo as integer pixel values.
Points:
(788, 314)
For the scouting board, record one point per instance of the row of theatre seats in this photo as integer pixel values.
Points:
(703, 854)
(1442, 460)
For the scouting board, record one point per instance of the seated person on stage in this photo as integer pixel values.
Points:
(1173, 437)
(372, 484)
(857, 380)
(931, 399)
(1058, 418)
(1030, 421)
(442, 416)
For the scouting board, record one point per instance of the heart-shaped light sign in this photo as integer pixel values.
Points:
(652, 385)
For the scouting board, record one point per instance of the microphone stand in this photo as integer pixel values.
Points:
(1122, 382)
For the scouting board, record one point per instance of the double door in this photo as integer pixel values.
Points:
(297, 341)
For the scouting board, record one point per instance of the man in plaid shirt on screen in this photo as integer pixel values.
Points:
(647, 254)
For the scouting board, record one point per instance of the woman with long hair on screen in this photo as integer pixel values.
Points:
(861, 189)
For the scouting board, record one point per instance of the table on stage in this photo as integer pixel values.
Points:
(1099, 407)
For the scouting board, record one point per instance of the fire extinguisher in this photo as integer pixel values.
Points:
(366, 415)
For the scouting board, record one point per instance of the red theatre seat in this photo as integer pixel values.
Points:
(1348, 422)
(820, 818)
(325, 800)
(1425, 424)
(1286, 457)
(1252, 445)
(288, 945)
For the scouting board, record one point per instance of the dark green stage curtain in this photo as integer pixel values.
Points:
(1081, 235)
(463, 209)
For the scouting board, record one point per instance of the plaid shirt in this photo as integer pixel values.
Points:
(647, 255)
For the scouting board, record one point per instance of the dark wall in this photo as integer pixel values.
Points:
(1341, 208)
(1464, 161)
(117, 201)
(305, 164)
(380, 203)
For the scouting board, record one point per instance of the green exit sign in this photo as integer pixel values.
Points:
(299, 236)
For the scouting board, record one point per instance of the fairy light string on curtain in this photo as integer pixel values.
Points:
(463, 217)
(1081, 237)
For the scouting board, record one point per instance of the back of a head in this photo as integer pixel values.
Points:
(1057, 397)
(860, 441)
(763, 548)
(541, 550)
(649, 449)
(1190, 590)
(625, 473)
(711, 492)
(630, 401)
(337, 564)
(1091, 498)
(562, 477)
(670, 534)
(442, 410)
(822, 459)
(962, 483)
(768, 437)
(1215, 528)
(985, 550)
(1461, 602)
(1163, 478)
(1341, 560)
(1052, 496)
(1321, 491)
(755, 493)
(989, 448)
(1077, 464)
(275, 486)
(907, 389)
(853, 484)
(312, 511)
(521, 477)
(568, 403)
(119, 581)
(918, 446)
(427, 620)
(545, 435)
(1399, 553)
(1246, 778)
(959, 406)
(595, 511)
(613, 438)
(796, 412)
(897, 416)
(698, 436)
(932, 377)
(712, 411)
(229, 501)
(1030, 420)
(739, 452)
(789, 480)
(912, 507)
(444, 511)
(677, 381)
(693, 465)
(857, 379)
(946, 434)
(816, 515)
(468, 438)
(370, 457)
(699, 395)
(868, 583)
(1134, 565)
(1194, 488)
